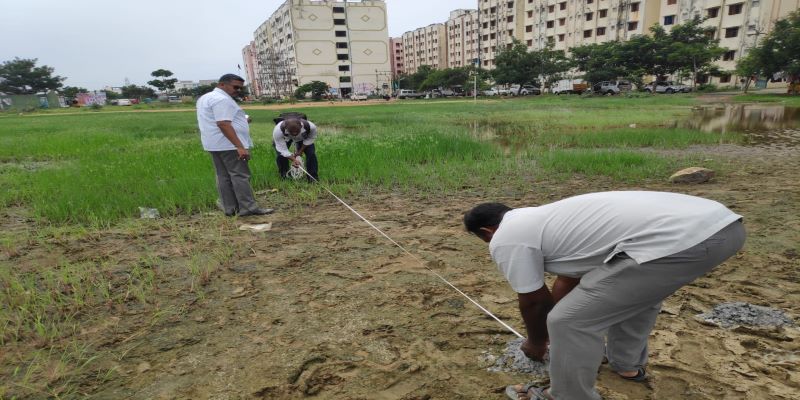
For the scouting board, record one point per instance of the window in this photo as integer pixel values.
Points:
(669, 20)
(671, 2)
(341, 45)
(344, 79)
(602, 13)
(338, 22)
(601, 31)
(561, 37)
(551, 8)
(562, 21)
(562, 5)
(589, 16)
(729, 55)
(510, 18)
(731, 32)
(589, 1)
(550, 24)
(634, 7)
(338, 9)
(713, 12)
(529, 43)
(341, 33)
(529, 28)
(734, 9)
(342, 57)
(633, 25)
(530, 14)
(587, 33)
(724, 78)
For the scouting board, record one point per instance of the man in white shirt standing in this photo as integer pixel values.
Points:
(616, 255)
(225, 134)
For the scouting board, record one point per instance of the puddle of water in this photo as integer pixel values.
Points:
(763, 124)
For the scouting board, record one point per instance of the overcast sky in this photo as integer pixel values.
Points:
(101, 42)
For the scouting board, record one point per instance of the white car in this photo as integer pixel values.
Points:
(409, 94)
(667, 87)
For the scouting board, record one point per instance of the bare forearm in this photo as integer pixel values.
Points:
(534, 308)
(562, 286)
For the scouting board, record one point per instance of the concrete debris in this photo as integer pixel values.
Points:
(514, 360)
(728, 315)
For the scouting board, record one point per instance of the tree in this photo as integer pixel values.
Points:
(137, 92)
(445, 78)
(692, 48)
(778, 52)
(515, 65)
(22, 76)
(317, 89)
(551, 63)
(72, 91)
(598, 61)
(164, 84)
(203, 89)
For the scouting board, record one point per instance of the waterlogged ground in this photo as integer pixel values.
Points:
(322, 307)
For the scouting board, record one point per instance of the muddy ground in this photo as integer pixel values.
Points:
(322, 307)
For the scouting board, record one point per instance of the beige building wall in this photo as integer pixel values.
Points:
(463, 29)
(249, 59)
(425, 46)
(574, 23)
(738, 24)
(344, 44)
(501, 21)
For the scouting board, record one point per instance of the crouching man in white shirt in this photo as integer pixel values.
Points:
(225, 134)
(616, 255)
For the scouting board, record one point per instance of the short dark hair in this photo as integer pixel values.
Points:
(484, 215)
(228, 78)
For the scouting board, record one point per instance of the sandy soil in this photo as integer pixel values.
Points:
(322, 307)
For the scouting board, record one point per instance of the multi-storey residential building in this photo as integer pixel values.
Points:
(342, 43)
(567, 24)
(425, 46)
(738, 24)
(398, 60)
(463, 30)
(249, 57)
(501, 21)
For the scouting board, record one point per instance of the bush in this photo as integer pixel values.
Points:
(96, 106)
(707, 87)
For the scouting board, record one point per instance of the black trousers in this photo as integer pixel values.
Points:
(310, 155)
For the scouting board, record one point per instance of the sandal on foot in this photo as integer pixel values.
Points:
(533, 392)
(641, 376)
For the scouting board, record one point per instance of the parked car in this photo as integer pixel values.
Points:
(174, 99)
(502, 91)
(606, 87)
(489, 92)
(526, 90)
(668, 87)
(568, 86)
(408, 94)
(358, 97)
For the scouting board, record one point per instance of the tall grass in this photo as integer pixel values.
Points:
(96, 168)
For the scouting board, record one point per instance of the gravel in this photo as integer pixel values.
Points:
(728, 315)
(514, 360)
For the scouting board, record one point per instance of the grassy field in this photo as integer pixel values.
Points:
(76, 176)
(96, 168)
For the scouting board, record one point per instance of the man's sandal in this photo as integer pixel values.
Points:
(533, 392)
(641, 376)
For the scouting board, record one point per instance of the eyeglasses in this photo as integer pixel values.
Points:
(237, 87)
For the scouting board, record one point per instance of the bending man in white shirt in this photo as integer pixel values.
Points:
(617, 255)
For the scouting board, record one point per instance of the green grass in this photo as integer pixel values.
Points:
(96, 168)
(789, 100)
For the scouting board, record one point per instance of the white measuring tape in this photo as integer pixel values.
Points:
(417, 259)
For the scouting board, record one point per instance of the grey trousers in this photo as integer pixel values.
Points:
(620, 301)
(233, 182)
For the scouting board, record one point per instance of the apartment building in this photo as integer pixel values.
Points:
(463, 38)
(501, 21)
(738, 24)
(342, 43)
(398, 59)
(249, 66)
(425, 46)
(572, 23)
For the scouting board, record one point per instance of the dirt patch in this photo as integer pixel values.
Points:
(322, 307)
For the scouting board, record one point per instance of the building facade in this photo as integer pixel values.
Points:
(398, 59)
(738, 24)
(342, 43)
(463, 32)
(501, 21)
(249, 66)
(425, 46)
